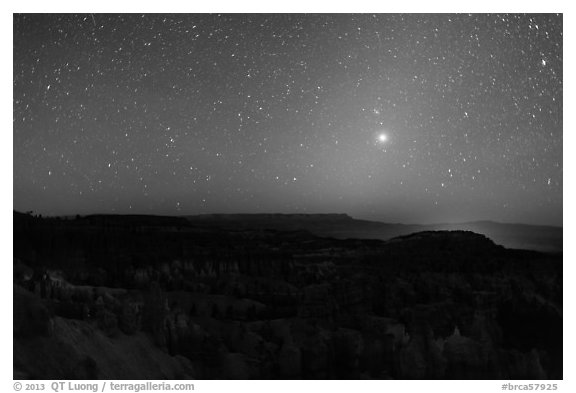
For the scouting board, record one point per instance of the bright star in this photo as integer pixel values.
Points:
(382, 138)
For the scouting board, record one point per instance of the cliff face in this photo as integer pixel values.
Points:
(143, 298)
(49, 346)
(342, 226)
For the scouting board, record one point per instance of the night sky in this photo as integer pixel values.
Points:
(399, 118)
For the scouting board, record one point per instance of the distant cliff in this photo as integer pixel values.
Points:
(531, 237)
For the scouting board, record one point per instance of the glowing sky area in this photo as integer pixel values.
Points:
(399, 118)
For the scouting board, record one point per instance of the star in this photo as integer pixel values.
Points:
(382, 138)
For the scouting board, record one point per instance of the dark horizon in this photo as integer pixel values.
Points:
(418, 119)
(353, 217)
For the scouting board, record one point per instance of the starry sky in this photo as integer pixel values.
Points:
(413, 118)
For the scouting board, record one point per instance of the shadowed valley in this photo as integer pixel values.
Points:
(282, 297)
